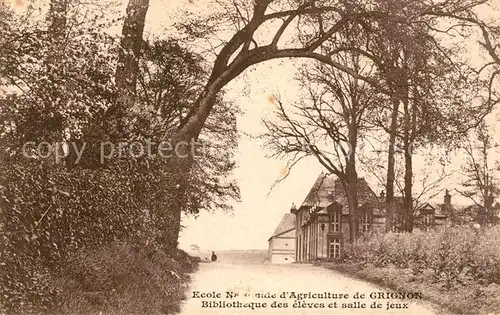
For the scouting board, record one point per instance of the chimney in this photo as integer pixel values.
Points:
(447, 201)
(293, 208)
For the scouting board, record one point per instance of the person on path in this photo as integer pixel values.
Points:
(214, 257)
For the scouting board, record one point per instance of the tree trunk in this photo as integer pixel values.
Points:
(352, 182)
(486, 183)
(408, 178)
(407, 201)
(389, 198)
(57, 29)
(57, 18)
(127, 68)
(179, 166)
(174, 201)
(352, 202)
(113, 124)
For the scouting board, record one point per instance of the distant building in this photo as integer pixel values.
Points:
(282, 242)
(475, 214)
(429, 216)
(321, 221)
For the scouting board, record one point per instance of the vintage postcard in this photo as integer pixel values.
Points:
(250, 157)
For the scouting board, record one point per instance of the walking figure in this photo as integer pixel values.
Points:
(214, 257)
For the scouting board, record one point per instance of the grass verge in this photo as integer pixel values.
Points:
(121, 279)
(470, 298)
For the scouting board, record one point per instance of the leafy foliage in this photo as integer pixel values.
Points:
(451, 256)
(50, 214)
(170, 80)
(58, 89)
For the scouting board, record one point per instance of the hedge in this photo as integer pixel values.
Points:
(50, 213)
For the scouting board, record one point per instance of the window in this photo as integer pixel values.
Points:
(427, 221)
(299, 248)
(365, 222)
(335, 222)
(335, 248)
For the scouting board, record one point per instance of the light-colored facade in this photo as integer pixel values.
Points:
(282, 242)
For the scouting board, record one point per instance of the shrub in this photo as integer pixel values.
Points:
(49, 214)
(485, 261)
(454, 255)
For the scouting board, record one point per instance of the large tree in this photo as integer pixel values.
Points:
(169, 79)
(56, 74)
(481, 174)
(327, 123)
(311, 24)
(127, 69)
(432, 97)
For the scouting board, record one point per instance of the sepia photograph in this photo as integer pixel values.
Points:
(240, 157)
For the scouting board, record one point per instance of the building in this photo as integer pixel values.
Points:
(476, 215)
(429, 216)
(282, 242)
(322, 226)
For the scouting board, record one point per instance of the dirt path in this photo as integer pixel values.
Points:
(248, 280)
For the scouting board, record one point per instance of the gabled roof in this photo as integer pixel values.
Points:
(286, 224)
(321, 192)
(328, 189)
(437, 209)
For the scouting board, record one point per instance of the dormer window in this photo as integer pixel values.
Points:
(335, 221)
(427, 221)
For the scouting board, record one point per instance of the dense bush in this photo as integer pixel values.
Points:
(50, 214)
(451, 255)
